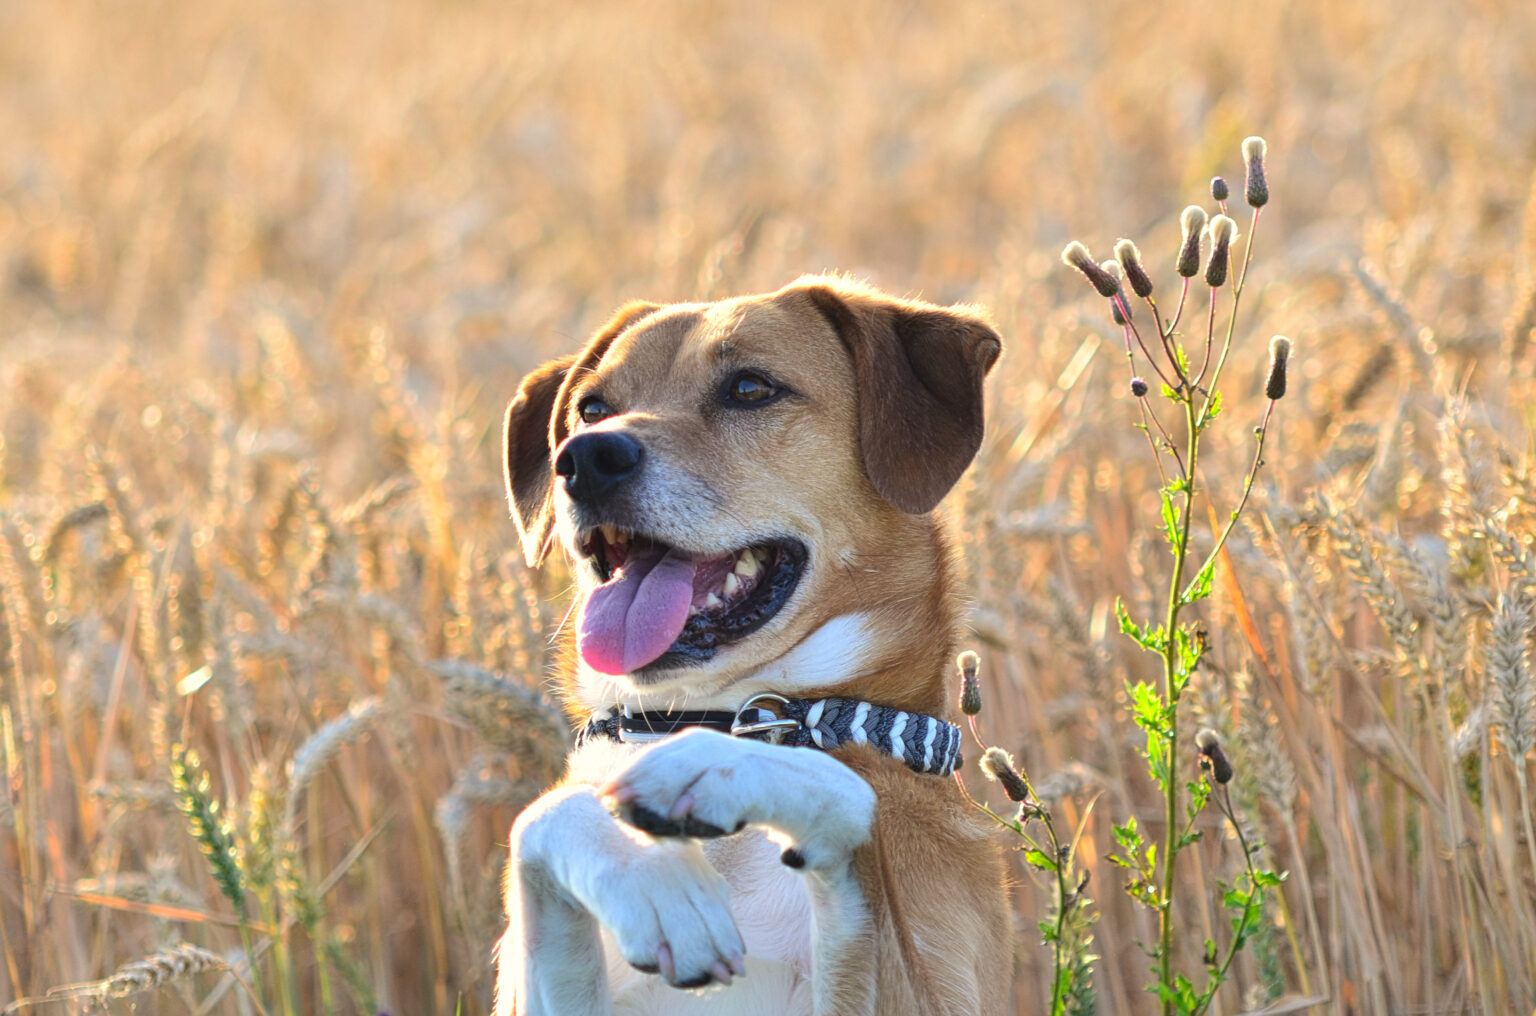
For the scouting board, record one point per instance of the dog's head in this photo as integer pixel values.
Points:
(724, 475)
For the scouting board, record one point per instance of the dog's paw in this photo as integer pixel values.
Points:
(669, 913)
(702, 783)
(696, 784)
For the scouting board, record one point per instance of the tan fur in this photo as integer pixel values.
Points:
(886, 415)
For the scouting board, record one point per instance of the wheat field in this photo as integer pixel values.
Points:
(269, 273)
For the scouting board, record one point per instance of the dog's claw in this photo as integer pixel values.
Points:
(664, 964)
(719, 972)
(657, 824)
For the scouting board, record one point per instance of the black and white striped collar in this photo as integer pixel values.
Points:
(926, 744)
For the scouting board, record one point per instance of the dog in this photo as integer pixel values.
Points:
(758, 807)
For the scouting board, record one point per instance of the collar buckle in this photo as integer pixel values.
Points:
(770, 730)
(630, 735)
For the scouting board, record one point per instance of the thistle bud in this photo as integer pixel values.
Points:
(1119, 308)
(1223, 232)
(1076, 256)
(1130, 262)
(970, 682)
(1138, 387)
(1193, 222)
(998, 765)
(1219, 188)
(1212, 757)
(1257, 189)
(1279, 353)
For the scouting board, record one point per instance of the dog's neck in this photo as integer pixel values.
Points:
(893, 651)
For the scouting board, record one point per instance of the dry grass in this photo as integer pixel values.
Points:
(271, 271)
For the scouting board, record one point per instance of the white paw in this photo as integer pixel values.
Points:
(669, 912)
(700, 783)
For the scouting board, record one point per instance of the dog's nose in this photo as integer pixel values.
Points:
(592, 465)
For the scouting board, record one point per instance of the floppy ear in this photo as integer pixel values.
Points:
(535, 427)
(919, 370)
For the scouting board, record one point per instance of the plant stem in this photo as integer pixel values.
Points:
(1237, 296)
(250, 959)
(1248, 481)
(1058, 999)
(1255, 900)
(1171, 689)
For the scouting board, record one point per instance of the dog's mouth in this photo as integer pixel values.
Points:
(661, 607)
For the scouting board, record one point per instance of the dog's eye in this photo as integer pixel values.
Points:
(750, 387)
(593, 409)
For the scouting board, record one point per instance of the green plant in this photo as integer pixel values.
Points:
(1189, 381)
(1067, 928)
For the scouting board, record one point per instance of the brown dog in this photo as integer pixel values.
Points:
(745, 491)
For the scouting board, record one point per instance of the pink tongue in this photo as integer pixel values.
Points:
(635, 616)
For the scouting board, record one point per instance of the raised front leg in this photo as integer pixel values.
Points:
(575, 870)
(704, 783)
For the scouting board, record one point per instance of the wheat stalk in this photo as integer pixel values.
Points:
(322, 746)
(161, 968)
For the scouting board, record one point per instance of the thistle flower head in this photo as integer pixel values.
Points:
(1138, 387)
(1279, 355)
(998, 765)
(1223, 231)
(1135, 273)
(1193, 223)
(1075, 255)
(1212, 756)
(1256, 190)
(1219, 189)
(1119, 307)
(969, 665)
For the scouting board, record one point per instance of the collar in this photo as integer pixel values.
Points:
(926, 744)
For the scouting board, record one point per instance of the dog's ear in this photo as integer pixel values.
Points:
(920, 371)
(536, 426)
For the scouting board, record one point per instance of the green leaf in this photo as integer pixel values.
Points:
(1171, 522)
(1127, 625)
(1039, 859)
(1151, 639)
(1200, 587)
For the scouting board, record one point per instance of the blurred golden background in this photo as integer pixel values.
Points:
(269, 273)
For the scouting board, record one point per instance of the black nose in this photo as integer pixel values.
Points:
(592, 465)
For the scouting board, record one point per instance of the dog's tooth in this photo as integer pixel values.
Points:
(610, 534)
(732, 584)
(746, 565)
(692, 610)
(713, 602)
(621, 536)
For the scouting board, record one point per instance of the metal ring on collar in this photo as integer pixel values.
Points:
(773, 730)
